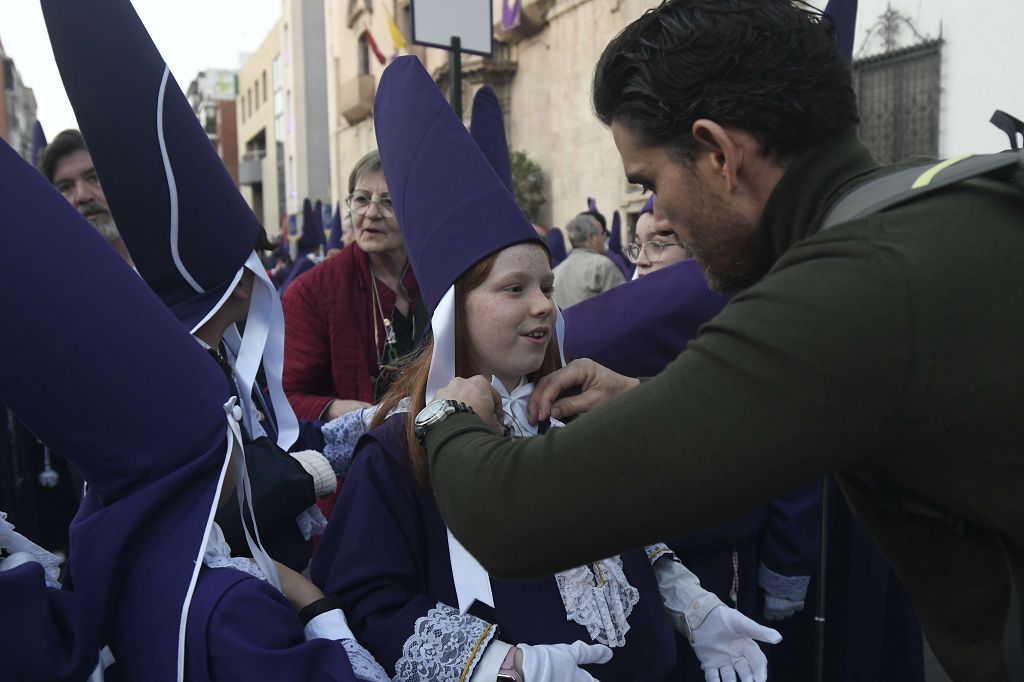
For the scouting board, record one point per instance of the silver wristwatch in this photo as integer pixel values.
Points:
(435, 413)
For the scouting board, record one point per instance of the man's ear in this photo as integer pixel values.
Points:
(719, 151)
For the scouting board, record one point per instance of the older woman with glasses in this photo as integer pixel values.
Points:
(657, 243)
(352, 316)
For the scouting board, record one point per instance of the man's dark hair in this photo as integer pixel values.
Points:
(770, 67)
(66, 143)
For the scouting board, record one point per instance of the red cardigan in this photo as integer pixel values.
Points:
(329, 349)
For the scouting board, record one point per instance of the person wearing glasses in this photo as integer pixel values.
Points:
(355, 314)
(657, 243)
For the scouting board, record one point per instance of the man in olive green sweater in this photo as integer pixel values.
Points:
(887, 350)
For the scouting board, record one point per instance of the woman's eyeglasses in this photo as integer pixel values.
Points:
(360, 204)
(653, 250)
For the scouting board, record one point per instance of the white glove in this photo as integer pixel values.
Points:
(561, 662)
(777, 608)
(724, 643)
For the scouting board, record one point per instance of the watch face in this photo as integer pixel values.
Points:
(431, 412)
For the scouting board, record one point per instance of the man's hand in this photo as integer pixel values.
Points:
(338, 407)
(598, 383)
(477, 393)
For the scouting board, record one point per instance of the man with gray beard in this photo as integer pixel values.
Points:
(67, 164)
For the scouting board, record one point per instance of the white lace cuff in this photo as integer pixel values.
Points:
(791, 587)
(445, 645)
(311, 522)
(600, 598)
(12, 542)
(340, 438)
(363, 664)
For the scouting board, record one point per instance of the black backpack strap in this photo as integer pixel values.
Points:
(911, 183)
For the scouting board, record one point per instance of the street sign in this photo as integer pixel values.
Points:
(436, 22)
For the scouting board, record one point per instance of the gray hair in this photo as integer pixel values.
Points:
(370, 163)
(581, 228)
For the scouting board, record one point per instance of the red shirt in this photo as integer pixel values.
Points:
(329, 348)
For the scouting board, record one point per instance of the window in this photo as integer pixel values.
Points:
(257, 86)
(248, 98)
(264, 86)
(241, 107)
(898, 97)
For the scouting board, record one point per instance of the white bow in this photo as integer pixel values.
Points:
(515, 405)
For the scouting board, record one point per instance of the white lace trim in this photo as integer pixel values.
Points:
(218, 555)
(445, 645)
(599, 598)
(363, 664)
(11, 541)
(311, 522)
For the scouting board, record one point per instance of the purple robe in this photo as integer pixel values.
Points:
(408, 571)
(45, 634)
(240, 628)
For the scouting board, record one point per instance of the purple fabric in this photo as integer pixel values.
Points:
(654, 318)
(488, 130)
(38, 142)
(384, 591)
(115, 93)
(86, 319)
(301, 265)
(648, 206)
(242, 629)
(591, 204)
(556, 246)
(45, 635)
(844, 17)
(312, 233)
(511, 14)
(334, 239)
(442, 186)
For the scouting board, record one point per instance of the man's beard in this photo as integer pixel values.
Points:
(722, 242)
(104, 224)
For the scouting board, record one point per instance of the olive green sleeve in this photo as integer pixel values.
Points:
(798, 376)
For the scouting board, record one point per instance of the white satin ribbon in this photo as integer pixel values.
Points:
(442, 361)
(263, 342)
(515, 406)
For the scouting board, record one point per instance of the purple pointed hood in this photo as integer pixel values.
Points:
(615, 237)
(453, 208)
(312, 233)
(188, 229)
(844, 18)
(186, 226)
(648, 206)
(334, 229)
(82, 320)
(38, 142)
(556, 245)
(488, 130)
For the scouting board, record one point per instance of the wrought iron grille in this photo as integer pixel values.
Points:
(898, 94)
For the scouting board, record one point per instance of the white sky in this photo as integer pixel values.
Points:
(192, 35)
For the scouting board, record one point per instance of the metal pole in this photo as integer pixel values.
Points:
(819, 616)
(455, 75)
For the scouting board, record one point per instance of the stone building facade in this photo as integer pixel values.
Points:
(17, 108)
